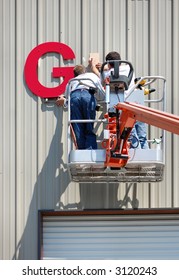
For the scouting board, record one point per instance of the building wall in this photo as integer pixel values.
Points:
(33, 172)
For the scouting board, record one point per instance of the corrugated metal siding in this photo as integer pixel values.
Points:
(33, 134)
(175, 97)
(8, 129)
(114, 237)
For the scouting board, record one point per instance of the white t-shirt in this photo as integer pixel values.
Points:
(120, 96)
(87, 80)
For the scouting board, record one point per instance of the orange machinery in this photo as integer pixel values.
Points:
(117, 146)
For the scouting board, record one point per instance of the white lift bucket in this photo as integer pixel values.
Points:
(144, 165)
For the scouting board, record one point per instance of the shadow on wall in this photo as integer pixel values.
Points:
(52, 183)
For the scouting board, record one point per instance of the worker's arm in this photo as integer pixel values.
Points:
(62, 99)
(93, 67)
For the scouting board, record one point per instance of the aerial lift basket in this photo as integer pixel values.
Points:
(135, 165)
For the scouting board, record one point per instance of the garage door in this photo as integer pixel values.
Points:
(126, 234)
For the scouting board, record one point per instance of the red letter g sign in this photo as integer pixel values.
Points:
(31, 69)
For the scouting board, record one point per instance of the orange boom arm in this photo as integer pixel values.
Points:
(151, 116)
(121, 126)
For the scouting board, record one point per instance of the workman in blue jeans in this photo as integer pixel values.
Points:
(83, 106)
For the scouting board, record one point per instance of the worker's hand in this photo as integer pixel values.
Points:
(98, 66)
(91, 63)
(93, 67)
(60, 100)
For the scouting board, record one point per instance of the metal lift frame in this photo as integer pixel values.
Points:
(143, 165)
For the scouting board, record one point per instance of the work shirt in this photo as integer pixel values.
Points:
(86, 81)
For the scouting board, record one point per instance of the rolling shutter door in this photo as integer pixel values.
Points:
(110, 237)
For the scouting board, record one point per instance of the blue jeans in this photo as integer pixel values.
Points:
(138, 136)
(83, 105)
